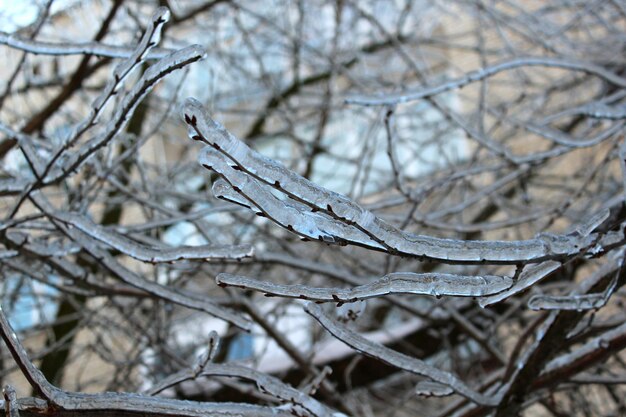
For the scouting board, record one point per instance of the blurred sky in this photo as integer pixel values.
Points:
(19, 13)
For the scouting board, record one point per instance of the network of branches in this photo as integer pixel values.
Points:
(313, 208)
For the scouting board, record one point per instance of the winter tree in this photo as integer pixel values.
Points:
(313, 208)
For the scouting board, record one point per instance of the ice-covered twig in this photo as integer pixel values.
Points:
(392, 153)
(38, 47)
(567, 140)
(148, 254)
(528, 277)
(40, 247)
(265, 383)
(10, 401)
(578, 302)
(595, 350)
(567, 302)
(212, 349)
(244, 190)
(59, 401)
(396, 359)
(436, 284)
(131, 100)
(71, 162)
(194, 371)
(150, 39)
(397, 98)
(600, 110)
(135, 280)
(590, 223)
(428, 388)
(35, 378)
(346, 211)
(166, 293)
(315, 383)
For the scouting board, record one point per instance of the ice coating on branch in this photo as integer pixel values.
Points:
(396, 359)
(148, 254)
(213, 348)
(474, 76)
(69, 163)
(566, 302)
(243, 189)
(266, 384)
(588, 224)
(435, 284)
(222, 190)
(529, 276)
(340, 208)
(42, 247)
(578, 302)
(150, 39)
(90, 245)
(123, 403)
(10, 397)
(40, 47)
(602, 342)
(599, 110)
(432, 389)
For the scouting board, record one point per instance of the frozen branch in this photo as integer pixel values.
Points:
(264, 383)
(594, 351)
(149, 40)
(38, 47)
(193, 372)
(603, 111)
(135, 280)
(131, 100)
(436, 284)
(527, 278)
(396, 359)
(10, 401)
(578, 300)
(392, 99)
(346, 211)
(573, 302)
(295, 217)
(72, 402)
(147, 254)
